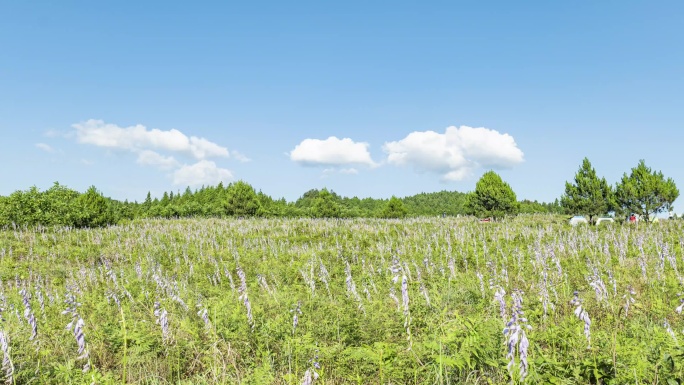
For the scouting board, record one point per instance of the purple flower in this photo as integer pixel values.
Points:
(7, 365)
(162, 320)
(582, 314)
(516, 336)
(28, 314)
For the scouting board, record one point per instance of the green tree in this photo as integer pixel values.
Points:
(532, 207)
(165, 199)
(326, 206)
(187, 195)
(60, 207)
(4, 211)
(394, 208)
(589, 195)
(95, 210)
(436, 203)
(645, 192)
(308, 199)
(213, 201)
(241, 199)
(26, 207)
(267, 206)
(146, 205)
(492, 198)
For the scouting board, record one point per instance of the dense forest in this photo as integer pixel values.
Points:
(62, 206)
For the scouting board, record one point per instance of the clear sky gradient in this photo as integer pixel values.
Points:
(254, 91)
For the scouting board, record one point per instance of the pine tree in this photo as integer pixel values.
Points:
(147, 205)
(492, 198)
(241, 199)
(589, 195)
(394, 208)
(645, 192)
(95, 209)
(325, 205)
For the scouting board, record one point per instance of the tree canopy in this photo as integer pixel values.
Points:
(325, 205)
(94, 210)
(394, 208)
(241, 199)
(645, 192)
(62, 206)
(492, 197)
(589, 195)
(58, 206)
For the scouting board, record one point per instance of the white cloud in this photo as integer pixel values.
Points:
(138, 138)
(349, 171)
(151, 158)
(158, 148)
(45, 147)
(331, 152)
(330, 171)
(240, 157)
(327, 172)
(202, 148)
(204, 172)
(456, 152)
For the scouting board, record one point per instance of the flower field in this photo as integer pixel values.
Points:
(362, 301)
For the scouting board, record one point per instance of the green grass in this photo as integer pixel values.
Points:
(187, 266)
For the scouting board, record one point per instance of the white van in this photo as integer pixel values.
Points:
(578, 219)
(604, 220)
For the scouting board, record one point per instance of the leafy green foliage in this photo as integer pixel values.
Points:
(61, 206)
(325, 206)
(456, 335)
(436, 203)
(589, 195)
(94, 210)
(533, 207)
(62, 203)
(645, 192)
(241, 200)
(492, 197)
(394, 208)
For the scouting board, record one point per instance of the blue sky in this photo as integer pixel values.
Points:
(112, 94)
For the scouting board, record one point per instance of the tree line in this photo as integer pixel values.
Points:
(62, 206)
(643, 192)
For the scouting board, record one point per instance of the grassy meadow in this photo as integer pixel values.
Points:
(360, 301)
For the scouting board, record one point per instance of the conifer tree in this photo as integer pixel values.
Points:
(241, 199)
(325, 205)
(645, 192)
(394, 208)
(589, 195)
(492, 198)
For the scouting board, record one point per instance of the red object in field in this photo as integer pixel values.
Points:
(632, 218)
(486, 220)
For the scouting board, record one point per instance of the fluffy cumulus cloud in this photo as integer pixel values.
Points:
(349, 171)
(137, 138)
(331, 152)
(204, 172)
(240, 157)
(455, 153)
(151, 158)
(159, 149)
